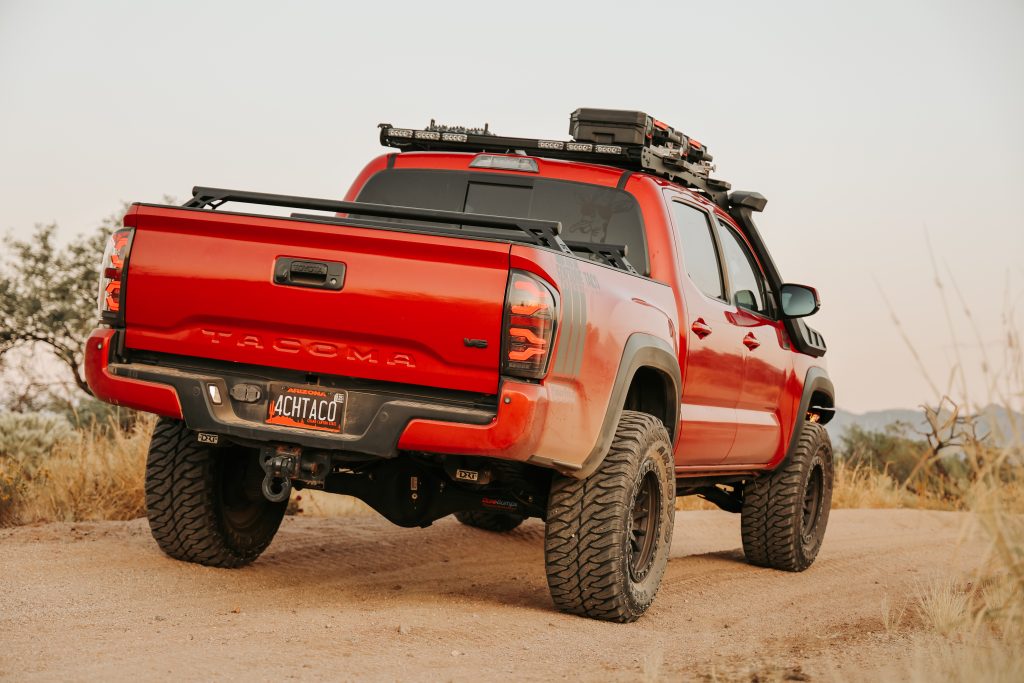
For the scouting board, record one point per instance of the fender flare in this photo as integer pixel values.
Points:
(816, 379)
(641, 350)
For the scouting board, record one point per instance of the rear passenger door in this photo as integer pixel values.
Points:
(711, 349)
(766, 349)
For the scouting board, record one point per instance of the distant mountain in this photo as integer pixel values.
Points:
(1006, 427)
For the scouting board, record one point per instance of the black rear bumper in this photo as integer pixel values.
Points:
(376, 415)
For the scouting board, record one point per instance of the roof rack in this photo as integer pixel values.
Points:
(630, 140)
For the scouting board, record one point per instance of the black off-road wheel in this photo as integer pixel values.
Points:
(785, 513)
(205, 504)
(490, 521)
(608, 536)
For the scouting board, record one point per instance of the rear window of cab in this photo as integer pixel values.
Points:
(588, 213)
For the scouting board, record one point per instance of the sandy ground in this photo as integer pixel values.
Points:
(357, 598)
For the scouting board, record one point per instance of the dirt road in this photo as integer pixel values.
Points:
(356, 598)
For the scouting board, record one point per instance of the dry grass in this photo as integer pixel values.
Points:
(893, 611)
(95, 474)
(937, 659)
(858, 486)
(944, 605)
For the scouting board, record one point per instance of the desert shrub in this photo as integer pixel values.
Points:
(95, 474)
(90, 413)
(87, 474)
(892, 467)
(889, 450)
(29, 437)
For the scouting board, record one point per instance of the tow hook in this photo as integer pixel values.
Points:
(283, 464)
(278, 465)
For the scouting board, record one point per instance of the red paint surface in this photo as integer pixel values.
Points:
(148, 396)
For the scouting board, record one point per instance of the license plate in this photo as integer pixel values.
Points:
(307, 408)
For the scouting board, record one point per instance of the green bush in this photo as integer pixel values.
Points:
(932, 469)
(890, 450)
(90, 413)
(27, 438)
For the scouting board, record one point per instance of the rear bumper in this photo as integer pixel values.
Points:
(151, 397)
(379, 424)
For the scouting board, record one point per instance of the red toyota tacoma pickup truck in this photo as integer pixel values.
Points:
(496, 328)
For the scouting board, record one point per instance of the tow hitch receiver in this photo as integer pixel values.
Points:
(283, 464)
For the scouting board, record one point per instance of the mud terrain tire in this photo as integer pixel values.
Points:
(608, 536)
(205, 504)
(490, 521)
(785, 513)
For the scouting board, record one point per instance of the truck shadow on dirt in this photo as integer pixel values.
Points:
(359, 560)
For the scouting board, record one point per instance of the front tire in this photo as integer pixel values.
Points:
(205, 505)
(785, 513)
(608, 536)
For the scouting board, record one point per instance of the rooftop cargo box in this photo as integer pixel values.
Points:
(610, 126)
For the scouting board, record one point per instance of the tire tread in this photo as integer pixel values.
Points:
(181, 502)
(584, 524)
(772, 507)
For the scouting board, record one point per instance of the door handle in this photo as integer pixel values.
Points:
(700, 328)
(750, 341)
(314, 274)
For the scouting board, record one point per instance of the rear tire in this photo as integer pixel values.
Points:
(608, 536)
(490, 521)
(785, 513)
(204, 504)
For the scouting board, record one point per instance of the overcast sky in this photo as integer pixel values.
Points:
(867, 126)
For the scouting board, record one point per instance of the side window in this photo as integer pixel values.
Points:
(745, 279)
(699, 255)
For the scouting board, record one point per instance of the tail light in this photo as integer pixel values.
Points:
(113, 271)
(531, 314)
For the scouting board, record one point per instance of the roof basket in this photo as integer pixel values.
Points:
(631, 140)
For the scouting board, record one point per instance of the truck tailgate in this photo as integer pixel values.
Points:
(202, 283)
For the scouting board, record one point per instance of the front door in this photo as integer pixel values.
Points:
(767, 356)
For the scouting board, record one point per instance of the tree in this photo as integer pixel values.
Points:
(48, 293)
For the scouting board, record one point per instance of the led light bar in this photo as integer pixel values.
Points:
(480, 141)
(579, 147)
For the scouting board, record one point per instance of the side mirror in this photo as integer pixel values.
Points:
(799, 301)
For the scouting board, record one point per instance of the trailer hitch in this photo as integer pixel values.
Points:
(284, 464)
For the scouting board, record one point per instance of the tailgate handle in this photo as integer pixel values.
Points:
(298, 272)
